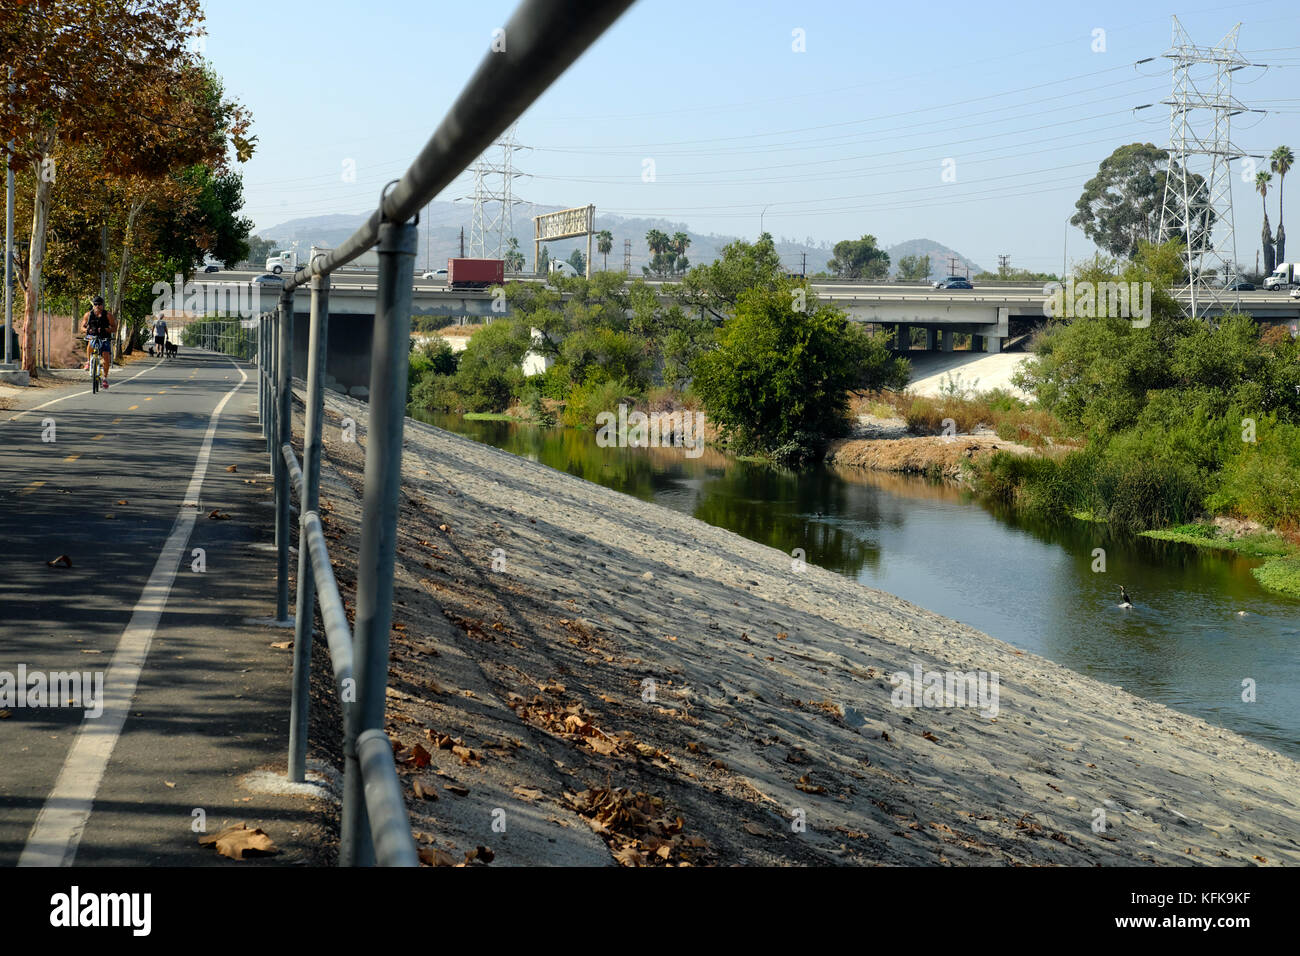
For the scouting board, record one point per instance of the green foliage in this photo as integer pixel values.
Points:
(431, 358)
(514, 258)
(859, 259)
(588, 400)
(778, 378)
(1120, 206)
(578, 260)
(1261, 479)
(914, 268)
(717, 287)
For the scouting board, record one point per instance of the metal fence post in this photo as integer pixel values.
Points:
(283, 435)
(309, 500)
(389, 366)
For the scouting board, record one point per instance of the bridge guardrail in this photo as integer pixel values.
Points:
(542, 39)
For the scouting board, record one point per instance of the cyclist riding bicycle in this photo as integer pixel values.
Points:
(99, 325)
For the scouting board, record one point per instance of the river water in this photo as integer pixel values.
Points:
(1200, 627)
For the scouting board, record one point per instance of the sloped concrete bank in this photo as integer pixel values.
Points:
(593, 678)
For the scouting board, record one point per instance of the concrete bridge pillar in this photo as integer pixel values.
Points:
(902, 337)
(945, 338)
(993, 343)
(930, 338)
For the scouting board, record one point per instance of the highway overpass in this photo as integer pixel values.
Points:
(984, 312)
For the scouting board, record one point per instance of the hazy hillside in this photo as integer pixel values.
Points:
(441, 224)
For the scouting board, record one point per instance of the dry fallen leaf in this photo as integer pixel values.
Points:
(282, 645)
(216, 515)
(629, 856)
(122, 502)
(431, 856)
(420, 757)
(528, 793)
(424, 791)
(62, 561)
(239, 840)
(168, 784)
(231, 468)
(457, 789)
(5, 714)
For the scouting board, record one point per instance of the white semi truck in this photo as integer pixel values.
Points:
(1285, 276)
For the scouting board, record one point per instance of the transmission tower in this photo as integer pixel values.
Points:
(1197, 205)
(493, 223)
(627, 256)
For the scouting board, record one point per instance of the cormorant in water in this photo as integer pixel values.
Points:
(1124, 599)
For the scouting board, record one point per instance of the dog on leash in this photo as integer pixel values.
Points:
(172, 348)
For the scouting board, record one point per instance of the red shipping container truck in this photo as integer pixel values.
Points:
(475, 273)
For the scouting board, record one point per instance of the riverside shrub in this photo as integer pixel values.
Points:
(777, 380)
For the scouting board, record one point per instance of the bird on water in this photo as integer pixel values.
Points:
(1124, 599)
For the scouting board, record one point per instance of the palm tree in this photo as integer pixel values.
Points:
(1281, 162)
(604, 243)
(658, 243)
(679, 244)
(1262, 179)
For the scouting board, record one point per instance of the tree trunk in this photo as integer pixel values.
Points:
(35, 260)
(1281, 233)
(121, 278)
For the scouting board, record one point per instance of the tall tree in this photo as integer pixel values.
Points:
(1281, 162)
(123, 70)
(678, 246)
(1262, 179)
(604, 243)
(859, 259)
(1120, 206)
(514, 259)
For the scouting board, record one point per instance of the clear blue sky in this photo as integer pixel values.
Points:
(846, 138)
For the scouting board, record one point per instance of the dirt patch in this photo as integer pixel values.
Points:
(933, 455)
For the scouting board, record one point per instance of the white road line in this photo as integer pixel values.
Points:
(64, 398)
(58, 828)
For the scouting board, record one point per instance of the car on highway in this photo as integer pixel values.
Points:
(941, 283)
(212, 267)
(267, 279)
(1295, 293)
(955, 282)
(435, 274)
(1240, 285)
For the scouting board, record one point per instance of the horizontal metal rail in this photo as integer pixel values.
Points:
(540, 41)
(390, 829)
(389, 826)
(295, 472)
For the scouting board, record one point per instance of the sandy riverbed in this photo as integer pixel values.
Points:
(620, 649)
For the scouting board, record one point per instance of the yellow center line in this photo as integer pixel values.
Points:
(148, 398)
(30, 488)
(133, 408)
(73, 457)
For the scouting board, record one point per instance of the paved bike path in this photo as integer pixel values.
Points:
(105, 479)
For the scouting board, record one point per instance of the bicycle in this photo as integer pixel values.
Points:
(97, 345)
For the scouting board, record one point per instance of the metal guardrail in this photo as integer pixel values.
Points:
(541, 40)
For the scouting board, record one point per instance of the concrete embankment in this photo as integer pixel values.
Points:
(598, 679)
